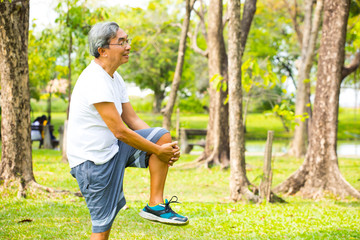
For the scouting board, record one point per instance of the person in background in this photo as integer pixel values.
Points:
(38, 134)
(105, 136)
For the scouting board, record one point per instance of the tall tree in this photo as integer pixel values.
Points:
(239, 184)
(320, 171)
(307, 40)
(16, 162)
(217, 149)
(167, 112)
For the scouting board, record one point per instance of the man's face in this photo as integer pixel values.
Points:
(119, 49)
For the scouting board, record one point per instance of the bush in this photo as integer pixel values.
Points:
(57, 105)
(142, 104)
(193, 104)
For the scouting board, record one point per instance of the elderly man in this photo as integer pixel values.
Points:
(105, 136)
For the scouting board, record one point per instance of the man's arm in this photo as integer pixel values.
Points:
(131, 119)
(113, 120)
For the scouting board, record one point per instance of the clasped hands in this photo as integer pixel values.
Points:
(170, 153)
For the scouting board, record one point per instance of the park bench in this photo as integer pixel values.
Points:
(54, 142)
(186, 134)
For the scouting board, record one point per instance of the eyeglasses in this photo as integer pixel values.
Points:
(123, 43)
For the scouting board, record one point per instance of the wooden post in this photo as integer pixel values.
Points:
(183, 140)
(61, 137)
(64, 143)
(265, 185)
(47, 137)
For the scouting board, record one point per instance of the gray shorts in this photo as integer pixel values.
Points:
(102, 185)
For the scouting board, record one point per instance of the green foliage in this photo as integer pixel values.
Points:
(272, 33)
(218, 83)
(255, 74)
(49, 49)
(42, 61)
(348, 127)
(57, 105)
(154, 48)
(352, 38)
(193, 104)
(74, 22)
(204, 196)
(142, 104)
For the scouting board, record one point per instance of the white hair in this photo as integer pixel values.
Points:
(100, 36)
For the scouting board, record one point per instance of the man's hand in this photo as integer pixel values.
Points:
(169, 153)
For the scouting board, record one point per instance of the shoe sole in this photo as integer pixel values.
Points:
(153, 217)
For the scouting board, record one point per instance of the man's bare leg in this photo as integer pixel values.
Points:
(100, 236)
(158, 172)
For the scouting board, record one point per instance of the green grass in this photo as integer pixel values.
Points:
(349, 124)
(257, 124)
(204, 194)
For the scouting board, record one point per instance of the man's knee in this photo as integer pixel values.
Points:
(166, 138)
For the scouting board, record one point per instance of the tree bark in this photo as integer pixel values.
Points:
(247, 18)
(320, 171)
(16, 163)
(158, 99)
(217, 149)
(238, 179)
(302, 106)
(167, 112)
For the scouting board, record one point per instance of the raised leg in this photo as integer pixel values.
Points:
(158, 172)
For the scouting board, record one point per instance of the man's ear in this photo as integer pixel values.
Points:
(102, 52)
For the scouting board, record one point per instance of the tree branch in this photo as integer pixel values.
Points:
(194, 45)
(355, 63)
(293, 15)
(201, 15)
(201, 24)
(247, 17)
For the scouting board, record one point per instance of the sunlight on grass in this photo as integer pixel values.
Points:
(204, 194)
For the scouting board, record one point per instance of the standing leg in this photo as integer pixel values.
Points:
(100, 236)
(158, 172)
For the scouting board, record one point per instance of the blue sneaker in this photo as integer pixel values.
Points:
(163, 213)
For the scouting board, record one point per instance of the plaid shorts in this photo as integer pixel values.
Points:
(102, 185)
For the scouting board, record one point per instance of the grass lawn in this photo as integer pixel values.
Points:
(257, 124)
(204, 196)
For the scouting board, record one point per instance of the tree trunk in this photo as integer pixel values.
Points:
(238, 180)
(217, 149)
(320, 171)
(158, 98)
(311, 27)
(16, 163)
(239, 183)
(179, 67)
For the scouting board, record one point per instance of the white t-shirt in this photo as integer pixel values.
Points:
(35, 134)
(88, 137)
